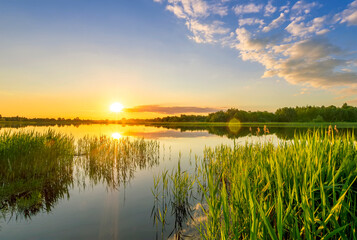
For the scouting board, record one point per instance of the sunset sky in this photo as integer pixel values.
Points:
(69, 58)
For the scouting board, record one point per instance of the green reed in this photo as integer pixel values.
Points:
(37, 169)
(173, 190)
(300, 189)
(114, 161)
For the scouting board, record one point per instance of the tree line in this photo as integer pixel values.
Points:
(345, 113)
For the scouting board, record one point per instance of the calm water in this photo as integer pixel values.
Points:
(96, 210)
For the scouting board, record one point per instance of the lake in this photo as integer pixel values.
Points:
(87, 205)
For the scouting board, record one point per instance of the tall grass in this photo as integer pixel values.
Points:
(173, 190)
(37, 169)
(113, 161)
(300, 189)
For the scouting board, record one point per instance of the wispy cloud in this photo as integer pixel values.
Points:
(205, 33)
(193, 11)
(171, 109)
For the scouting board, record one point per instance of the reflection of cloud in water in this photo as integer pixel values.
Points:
(168, 134)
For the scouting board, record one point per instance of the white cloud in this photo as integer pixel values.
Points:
(349, 15)
(275, 23)
(311, 62)
(300, 54)
(177, 10)
(219, 10)
(302, 7)
(269, 9)
(284, 8)
(205, 33)
(249, 8)
(250, 21)
(192, 8)
(301, 29)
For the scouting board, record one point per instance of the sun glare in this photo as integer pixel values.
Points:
(116, 135)
(116, 107)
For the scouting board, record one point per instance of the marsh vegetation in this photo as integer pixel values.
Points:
(300, 189)
(39, 169)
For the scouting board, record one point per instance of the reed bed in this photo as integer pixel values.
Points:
(37, 169)
(300, 189)
(114, 161)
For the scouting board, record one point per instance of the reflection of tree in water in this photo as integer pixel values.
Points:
(37, 170)
(286, 133)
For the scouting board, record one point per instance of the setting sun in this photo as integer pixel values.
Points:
(116, 136)
(116, 107)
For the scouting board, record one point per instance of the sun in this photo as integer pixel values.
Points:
(116, 107)
(116, 136)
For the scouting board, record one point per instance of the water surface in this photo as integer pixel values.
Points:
(91, 209)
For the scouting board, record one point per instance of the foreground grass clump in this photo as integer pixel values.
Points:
(29, 154)
(300, 189)
(35, 170)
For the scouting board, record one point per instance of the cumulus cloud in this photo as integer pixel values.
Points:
(349, 15)
(249, 8)
(193, 12)
(269, 9)
(171, 110)
(301, 29)
(299, 52)
(191, 8)
(312, 62)
(301, 7)
(275, 23)
(250, 21)
(205, 33)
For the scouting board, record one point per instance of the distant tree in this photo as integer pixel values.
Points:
(319, 118)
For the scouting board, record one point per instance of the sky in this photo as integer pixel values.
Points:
(73, 58)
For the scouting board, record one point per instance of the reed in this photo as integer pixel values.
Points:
(303, 188)
(300, 189)
(114, 161)
(36, 169)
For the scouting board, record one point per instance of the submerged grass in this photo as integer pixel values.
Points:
(173, 190)
(300, 189)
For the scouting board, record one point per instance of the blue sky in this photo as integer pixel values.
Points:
(80, 56)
